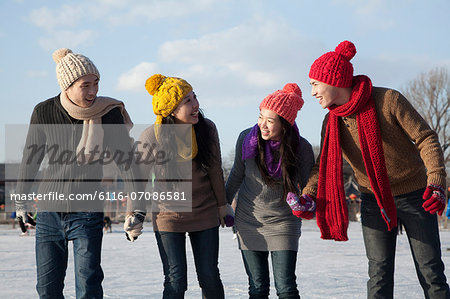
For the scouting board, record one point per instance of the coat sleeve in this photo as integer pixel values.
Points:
(306, 159)
(32, 157)
(311, 185)
(215, 170)
(122, 146)
(425, 138)
(237, 172)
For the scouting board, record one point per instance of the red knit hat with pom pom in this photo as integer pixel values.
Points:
(334, 68)
(286, 102)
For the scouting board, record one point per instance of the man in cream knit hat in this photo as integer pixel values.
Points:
(75, 122)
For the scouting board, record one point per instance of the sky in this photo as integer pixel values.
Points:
(233, 52)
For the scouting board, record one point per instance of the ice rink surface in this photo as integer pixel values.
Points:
(325, 269)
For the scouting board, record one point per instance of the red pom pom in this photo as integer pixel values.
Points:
(347, 49)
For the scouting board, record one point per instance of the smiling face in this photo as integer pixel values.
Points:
(187, 111)
(269, 124)
(83, 91)
(327, 95)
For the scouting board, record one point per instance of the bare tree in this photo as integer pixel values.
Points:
(227, 164)
(430, 95)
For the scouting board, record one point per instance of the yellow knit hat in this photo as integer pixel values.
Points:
(167, 93)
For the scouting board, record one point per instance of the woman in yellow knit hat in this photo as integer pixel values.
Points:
(180, 125)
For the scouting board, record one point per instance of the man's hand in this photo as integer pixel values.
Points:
(434, 197)
(134, 223)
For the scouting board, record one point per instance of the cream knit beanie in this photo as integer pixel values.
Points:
(70, 67)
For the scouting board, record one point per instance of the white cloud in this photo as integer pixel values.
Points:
(370, 13)
(157, 10)
(254, 58)
(66, 39)
(116, 3)
(36, 74)
(116, 12)
(81, 15)
(258, 43)
(254, 77)
(66, 16)
(134, 79)
(366, 7)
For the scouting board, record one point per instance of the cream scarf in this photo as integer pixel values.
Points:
(92, 136)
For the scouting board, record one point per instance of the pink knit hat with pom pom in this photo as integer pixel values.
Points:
(334, 68)
(286, 102)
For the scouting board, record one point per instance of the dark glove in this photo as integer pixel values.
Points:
(434, 197)
(226, 215)
(134, 223)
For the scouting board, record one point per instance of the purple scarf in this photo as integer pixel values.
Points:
(250, 150)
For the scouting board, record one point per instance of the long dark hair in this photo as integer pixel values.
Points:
(288, 156)
(203, 136)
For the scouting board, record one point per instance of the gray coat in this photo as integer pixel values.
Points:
(263, 221)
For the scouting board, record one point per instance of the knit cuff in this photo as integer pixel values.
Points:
(310, 190)
(436, 180)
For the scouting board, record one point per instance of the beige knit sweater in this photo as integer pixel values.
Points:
(413, 155)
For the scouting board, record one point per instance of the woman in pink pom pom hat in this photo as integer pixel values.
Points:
(398, 164)
(272, 162)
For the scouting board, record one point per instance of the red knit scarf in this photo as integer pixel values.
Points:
(332, 213)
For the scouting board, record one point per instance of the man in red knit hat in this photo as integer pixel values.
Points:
(398, 164)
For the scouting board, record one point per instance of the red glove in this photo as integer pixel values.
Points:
(304, 215)
(434, 197)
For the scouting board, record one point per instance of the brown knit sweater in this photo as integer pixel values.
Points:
(414, 157)
(208, 191)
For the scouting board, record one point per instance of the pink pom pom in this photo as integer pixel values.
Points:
(295, 94)
(347, 49)
(292, 88)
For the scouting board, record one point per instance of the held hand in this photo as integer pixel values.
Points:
(226, 215)
(305, 203)
(134, 223)
(21, 215)
(303, 215)
(303, 207)
(434, 197)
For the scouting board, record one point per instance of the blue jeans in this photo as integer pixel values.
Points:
(205, 247)
(257, 267)
(53, 232)
(423, 235)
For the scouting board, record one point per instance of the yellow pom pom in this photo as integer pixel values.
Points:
(60, 53)
(153, 83)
